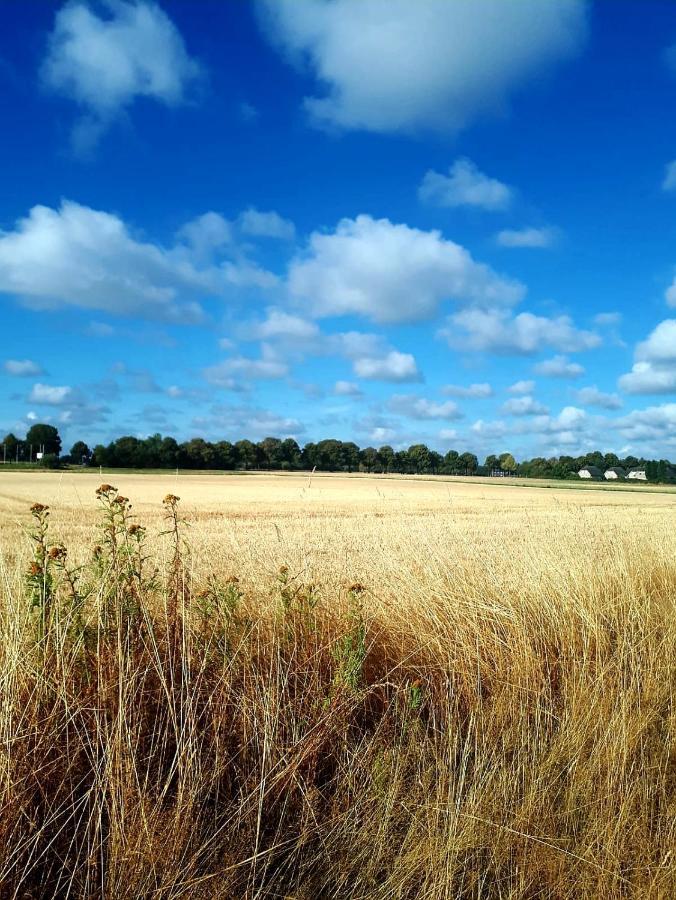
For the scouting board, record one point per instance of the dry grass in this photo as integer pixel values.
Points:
(452, 690)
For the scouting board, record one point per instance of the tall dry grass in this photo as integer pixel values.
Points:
(472, 724)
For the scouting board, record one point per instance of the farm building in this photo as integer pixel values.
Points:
(616, 473)
(637, 474)
(591, 472)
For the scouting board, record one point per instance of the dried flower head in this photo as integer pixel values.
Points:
(136, 529)
(104, 489)
(357, 588)
(171, 499)
(38, 508)
(57, 552)
(232, 579)
(283, 570)
(34, 569)
(121, 500)
(98, 550)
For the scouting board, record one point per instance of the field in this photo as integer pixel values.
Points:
(295, 686)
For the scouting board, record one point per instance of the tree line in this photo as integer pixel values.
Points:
(331, 455)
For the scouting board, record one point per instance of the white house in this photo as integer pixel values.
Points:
(637, 474)
(592, 472)
(616, 473)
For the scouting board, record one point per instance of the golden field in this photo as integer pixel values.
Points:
(336, 687)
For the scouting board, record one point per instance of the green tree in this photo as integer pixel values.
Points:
(247, 455)
(80, 453)
(44, 438)
(507, 462)
(369, 458)
(11, 445)
(419, 456)
(492, 462)
(386, 457)
(469, 463)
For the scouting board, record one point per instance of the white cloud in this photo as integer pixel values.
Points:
(527, 237)
(669, 181)
(524, 406)
(206, 235)
(648, 378)
(654, 371)
(391, 273)
(474, 391)
(559, 367)
(464, 185)
(279, 324)
(496, 331)
(235, 421)
(77, 256)
(266, 224)
(226, 373)
(50, 394)
(655, 424)
(347, 389)
(105, 63)
(22, 368)
(521, 387)
(607, 319)
(421, 408)
(393, 366)
(393, 65)
(592, 396)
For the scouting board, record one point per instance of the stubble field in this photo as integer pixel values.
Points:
(336, 687)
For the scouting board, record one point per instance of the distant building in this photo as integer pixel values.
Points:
(615, 473)
(592, 472)
(637, 474)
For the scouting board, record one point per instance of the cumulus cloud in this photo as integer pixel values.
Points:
(266, 224)
(206, 235)
(465, 185)
(521, 387)
(226, 374)
(282, 325)
(105, 62)
(527, 237)
(421, 408)
(82, 257)
(50, 395)
(233, 421)
(654, 371)
(22, 368)
(393, 65)
(392, 366)
(559, 367)
(473, 391)
(655, 425)
(592, 396)
(391, 273)
(497, 331)
(524, 406)
(347, 389)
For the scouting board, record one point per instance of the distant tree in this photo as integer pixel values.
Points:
(225, 455)
(419, 458)
(436, 462)
(11, 445)
(350, 456)
(100, 455)
(369, 458)
(270, 453)
(80, 453)
(507, 462)
(452, 462)
(44, 438)
(50, 461)
(291, 454)
(469, 462)
(492, 462)
(247, 455)
(386, 457)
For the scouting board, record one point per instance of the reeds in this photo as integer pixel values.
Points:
(166, 732)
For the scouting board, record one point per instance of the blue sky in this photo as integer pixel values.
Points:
(375, 220)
